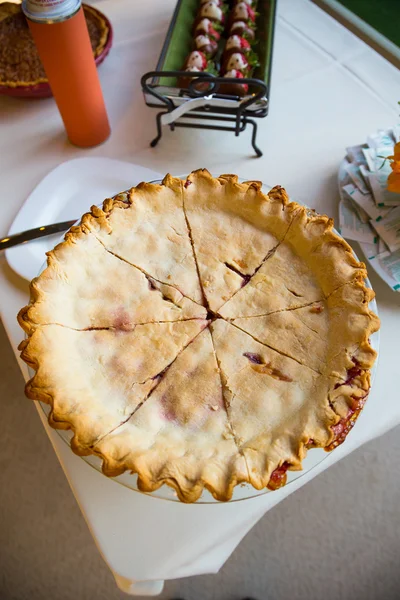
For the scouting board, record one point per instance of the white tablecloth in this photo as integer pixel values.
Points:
(329, 90)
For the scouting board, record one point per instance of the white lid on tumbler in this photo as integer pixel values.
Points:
(45, 11)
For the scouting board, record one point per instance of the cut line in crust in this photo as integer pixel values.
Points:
(243, 226)
(126, 327)
(331, 433)
(145, 273)
(272, 312)
(311, 263)
(146, 226)
(224, 388)
(247, 278)
(170, 431)
(121, 370)
(104, 291)
(160, 377)
(205, 302)
(272, 347)
(337, 329)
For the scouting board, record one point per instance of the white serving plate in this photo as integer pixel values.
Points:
(64, 194)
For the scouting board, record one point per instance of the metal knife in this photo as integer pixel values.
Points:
(33, 234)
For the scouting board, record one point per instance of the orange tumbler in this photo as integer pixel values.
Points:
(61, 36)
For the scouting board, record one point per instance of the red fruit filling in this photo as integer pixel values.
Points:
(340, 430)
(345, 425)
(278, 477)
(316, 309)
(352, 374)
(254, 358)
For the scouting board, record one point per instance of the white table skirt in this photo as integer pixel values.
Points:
(329, 90)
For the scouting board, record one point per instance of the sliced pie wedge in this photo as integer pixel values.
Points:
(181, 435)
(233, 227)
(290, 333)
(147, 228)
(337, 329)
(284, 281)
(107, 375)
(276, 406)
(329, 257)
(311, 263)
(84, 286)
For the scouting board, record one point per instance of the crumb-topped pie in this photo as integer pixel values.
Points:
(201, 334)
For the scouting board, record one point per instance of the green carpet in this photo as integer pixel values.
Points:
(382, 15)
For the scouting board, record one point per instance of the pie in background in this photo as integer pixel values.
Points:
(201, 334)
(20, 64)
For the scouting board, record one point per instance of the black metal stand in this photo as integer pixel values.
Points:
(207, 86)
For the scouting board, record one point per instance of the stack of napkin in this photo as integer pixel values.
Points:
(368, 212)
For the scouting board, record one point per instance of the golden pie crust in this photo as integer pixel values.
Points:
(201, 334)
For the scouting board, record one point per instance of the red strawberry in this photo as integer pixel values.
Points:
(205, 27)
(214, 34)
(195, 62)
(243, 12)
(206, 44)
(252, 14)
(212, 11)
(196, 59)
(242, 28)
(236, 43)
(251, 3)
(236, 61)
(237, 89)
(234, 73)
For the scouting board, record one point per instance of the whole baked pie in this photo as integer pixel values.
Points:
(201, 334)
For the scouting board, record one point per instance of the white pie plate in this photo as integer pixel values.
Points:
(241, 492)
